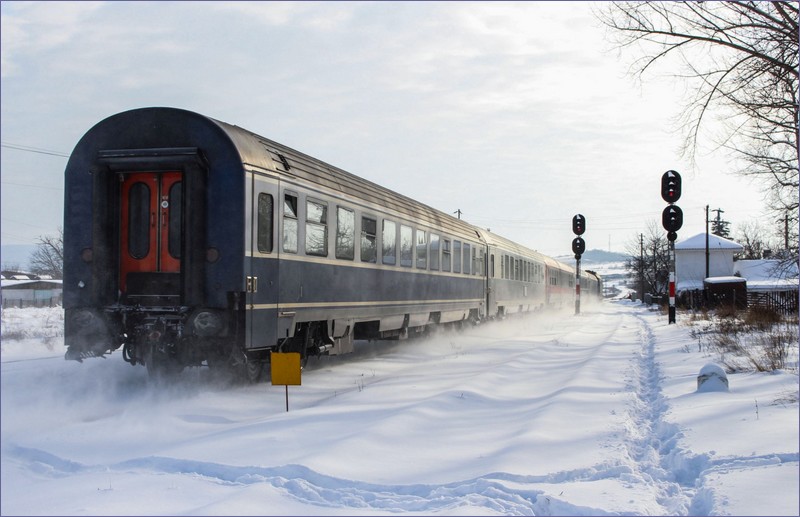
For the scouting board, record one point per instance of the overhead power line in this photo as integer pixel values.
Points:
(46, 187)
(30, 149)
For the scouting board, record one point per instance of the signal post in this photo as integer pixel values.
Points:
(578, 247)
(672, 220)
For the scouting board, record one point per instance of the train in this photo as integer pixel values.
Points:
(189, 241)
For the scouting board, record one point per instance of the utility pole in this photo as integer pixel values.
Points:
(720, 226)
(707, 251)
(458, 212)
(641, 267)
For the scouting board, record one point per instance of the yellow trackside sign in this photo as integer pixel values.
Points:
(285, 369)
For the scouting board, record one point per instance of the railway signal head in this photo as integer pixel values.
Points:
(671, 186)
(578, 247)
(672, 218)
(578, 224)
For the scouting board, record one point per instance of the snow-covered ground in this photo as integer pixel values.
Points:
(552, 414)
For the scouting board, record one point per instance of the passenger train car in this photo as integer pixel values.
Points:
(190, 241)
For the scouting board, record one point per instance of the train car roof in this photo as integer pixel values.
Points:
(161, 129)
(261, 152)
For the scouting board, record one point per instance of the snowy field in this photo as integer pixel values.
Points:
(551, 414)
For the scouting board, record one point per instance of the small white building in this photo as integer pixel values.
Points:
(690, 260)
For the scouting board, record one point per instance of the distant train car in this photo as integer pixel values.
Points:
(190, 241)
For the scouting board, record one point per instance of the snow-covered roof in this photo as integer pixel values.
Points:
(724, 280)
(6, 283)
(715, 242)
(767, 274)
(764, 269)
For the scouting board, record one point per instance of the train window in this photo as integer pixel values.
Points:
(290, 223)
(369, 247)
(264, 231)
(174, 244)
(389, 240)
(434, 252)
(406, 246)
(445, 254)
(456, 256)
(422, 250)
(139, 220)
(467, 258)
(345, 233)
(316, 228)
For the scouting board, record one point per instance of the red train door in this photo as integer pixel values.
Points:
(150, 224)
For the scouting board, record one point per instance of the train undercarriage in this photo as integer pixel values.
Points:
(166, 340)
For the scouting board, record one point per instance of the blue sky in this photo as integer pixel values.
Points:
(520, 115)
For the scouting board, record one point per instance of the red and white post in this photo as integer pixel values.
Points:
(578, 284)
(671, 281)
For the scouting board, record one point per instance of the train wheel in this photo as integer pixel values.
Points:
(253, 371)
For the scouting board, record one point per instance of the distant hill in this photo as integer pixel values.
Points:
(16, 256)
(595, 257)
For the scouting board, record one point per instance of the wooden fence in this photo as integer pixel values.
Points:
(783, 302)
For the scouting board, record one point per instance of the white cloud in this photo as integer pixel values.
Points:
(422, 97)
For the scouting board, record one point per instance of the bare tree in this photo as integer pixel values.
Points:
(48, 257)
(648, 265)
(755, 240)
(741, 61)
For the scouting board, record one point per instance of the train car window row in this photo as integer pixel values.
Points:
(512, 268)
(399, 244)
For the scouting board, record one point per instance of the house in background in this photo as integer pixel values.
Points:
(690, 260)
(742, 282)
(29, 290)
